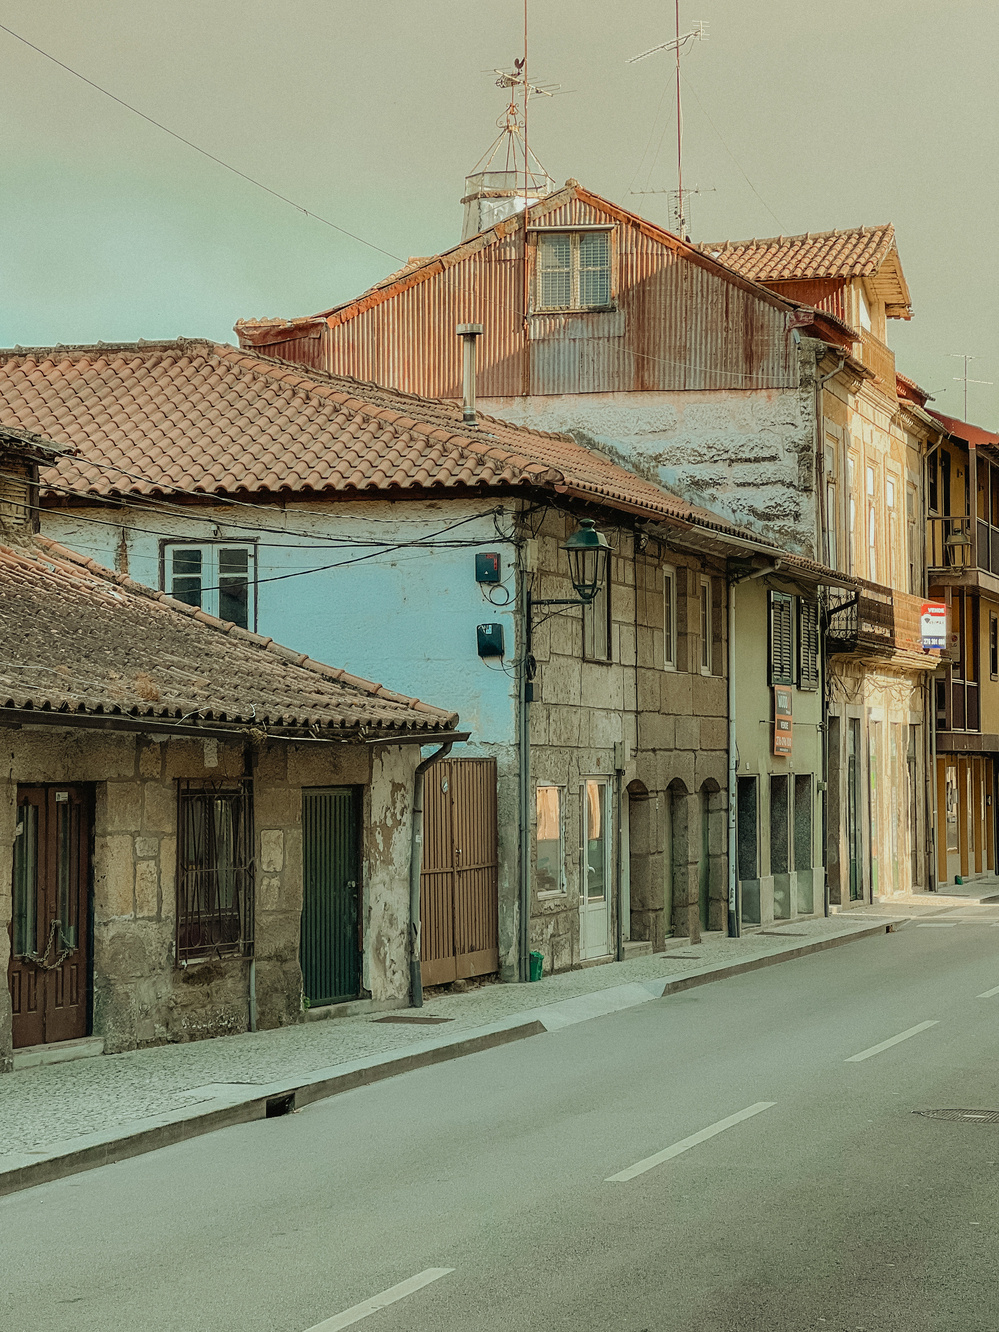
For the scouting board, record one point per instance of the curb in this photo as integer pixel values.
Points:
(284, 1097)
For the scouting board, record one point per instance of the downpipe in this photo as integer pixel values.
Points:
(415, 865)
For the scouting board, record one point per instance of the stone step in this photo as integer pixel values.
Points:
(58, 1052)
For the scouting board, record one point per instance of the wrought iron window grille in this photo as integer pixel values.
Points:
(215, 869)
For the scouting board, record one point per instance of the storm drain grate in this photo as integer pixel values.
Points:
(965, 1116)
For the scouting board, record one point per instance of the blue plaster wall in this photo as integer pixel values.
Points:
(405, 618)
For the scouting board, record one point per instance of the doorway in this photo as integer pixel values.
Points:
(595, 870)
(330, 949)
(49, 970)
(853, 807)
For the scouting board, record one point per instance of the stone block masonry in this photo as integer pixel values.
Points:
(141, 995)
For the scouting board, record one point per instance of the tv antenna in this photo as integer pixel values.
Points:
(677, 212)
(677, 45)
(963, 379)
(509, 151)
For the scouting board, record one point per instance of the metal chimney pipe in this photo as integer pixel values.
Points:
(468, 333)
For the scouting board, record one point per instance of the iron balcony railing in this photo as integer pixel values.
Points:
(872, 621)
(950, 543)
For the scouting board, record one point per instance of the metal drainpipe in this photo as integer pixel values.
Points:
(524, 777)
(415, 864)
(468, 333)
(734, 915)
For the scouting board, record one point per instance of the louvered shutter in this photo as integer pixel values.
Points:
(781, 639)
(808, 644)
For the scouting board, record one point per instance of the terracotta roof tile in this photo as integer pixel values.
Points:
(79, 638)
(858, 252)
(334, 435)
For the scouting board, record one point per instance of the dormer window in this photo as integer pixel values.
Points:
(573, 270)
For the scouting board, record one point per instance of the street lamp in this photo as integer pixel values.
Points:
(588, 552)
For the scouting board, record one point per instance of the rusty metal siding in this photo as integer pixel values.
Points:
(822, 293)
(303, 351)
(677, 325)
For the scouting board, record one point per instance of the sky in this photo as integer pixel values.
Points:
(797, 117)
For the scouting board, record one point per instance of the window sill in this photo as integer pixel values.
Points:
(553, 895)
(598, 661)
(574, 309)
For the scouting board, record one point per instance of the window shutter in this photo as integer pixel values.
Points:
(808, 644)
(781, 639)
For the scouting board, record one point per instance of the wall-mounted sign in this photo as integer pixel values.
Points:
(933, 624)
(782, 720)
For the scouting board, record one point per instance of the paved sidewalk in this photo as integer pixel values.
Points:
(57, 1110)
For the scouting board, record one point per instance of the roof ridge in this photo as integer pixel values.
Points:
(337, 674)
(801, 236)
(82, 348)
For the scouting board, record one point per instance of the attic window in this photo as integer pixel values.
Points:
(574, 270)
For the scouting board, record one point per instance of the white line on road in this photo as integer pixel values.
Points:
(685, 1144)
(936, 925)
(902, 1036)
(399, 1292)
(988, 993)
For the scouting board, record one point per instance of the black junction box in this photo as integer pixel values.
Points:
(487, 567)
(489, 638)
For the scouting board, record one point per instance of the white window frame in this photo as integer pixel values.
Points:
(669, 618)
(210, 575)
(561, 790)
(871, 489)
(705, 609)
(575, 236)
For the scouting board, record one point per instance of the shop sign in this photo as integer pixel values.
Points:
(933, 624)
(782, 720)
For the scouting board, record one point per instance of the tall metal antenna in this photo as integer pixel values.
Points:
(696, 34)
(963, 379)
(678, 199)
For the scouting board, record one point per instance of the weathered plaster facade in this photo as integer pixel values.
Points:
(140, 996)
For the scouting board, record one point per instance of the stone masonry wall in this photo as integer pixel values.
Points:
(671, 723)
(140, 996)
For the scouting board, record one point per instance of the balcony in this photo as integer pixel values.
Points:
(879, 358)
(873, 622)
(950, 544)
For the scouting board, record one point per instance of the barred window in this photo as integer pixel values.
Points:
(574, 271)
(808, 644)
(214, 869)
(781, 639)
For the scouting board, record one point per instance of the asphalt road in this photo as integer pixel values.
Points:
(831, 1207)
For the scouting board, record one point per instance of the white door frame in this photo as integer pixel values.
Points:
(595, 915)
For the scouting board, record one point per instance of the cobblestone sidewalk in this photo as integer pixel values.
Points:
(52, 1104)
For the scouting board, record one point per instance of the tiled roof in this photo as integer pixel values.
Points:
(206, 417)
(868, 252)
(858, 252)
(971, 434)
(79, 638)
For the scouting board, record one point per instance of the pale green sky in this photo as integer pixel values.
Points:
(857, 112)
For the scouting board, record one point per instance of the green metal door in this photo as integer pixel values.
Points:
(331, 946)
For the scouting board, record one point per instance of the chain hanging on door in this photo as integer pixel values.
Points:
(39, 958)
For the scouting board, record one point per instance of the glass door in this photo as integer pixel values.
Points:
(595, 870)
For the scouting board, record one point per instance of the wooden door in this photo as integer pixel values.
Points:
(331, 916)
(458, 884)
(50, 930)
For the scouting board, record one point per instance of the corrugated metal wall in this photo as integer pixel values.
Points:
(678, 325)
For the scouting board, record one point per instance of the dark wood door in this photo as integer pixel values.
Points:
(50, 929)
(331, 918)
(459, 913)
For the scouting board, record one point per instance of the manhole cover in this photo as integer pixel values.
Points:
(415, 1021)
(965, 1116)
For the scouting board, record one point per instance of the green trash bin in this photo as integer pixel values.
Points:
(537, 965)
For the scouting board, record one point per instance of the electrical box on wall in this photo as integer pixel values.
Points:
(487, 567)
(489, 638)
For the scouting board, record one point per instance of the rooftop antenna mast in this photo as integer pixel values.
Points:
(963, 379)
(696, 34)
(678, 198)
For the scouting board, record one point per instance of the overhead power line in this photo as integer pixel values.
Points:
(203, 151)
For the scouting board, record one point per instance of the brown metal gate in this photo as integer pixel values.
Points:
(50, 929)
(458, 884)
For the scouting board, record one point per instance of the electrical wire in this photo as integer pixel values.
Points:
(759, 196)
(203, 151)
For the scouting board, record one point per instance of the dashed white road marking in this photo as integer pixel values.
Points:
(989, 993)
(390, 1296)
(885, 1045)
(685, 1144)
